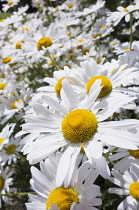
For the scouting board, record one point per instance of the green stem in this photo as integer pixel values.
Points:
(16, 194)
(13, 152)
(131, 32)
(53, 61)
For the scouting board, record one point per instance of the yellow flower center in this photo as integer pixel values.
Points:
(24, 29)
(6, 60)
(99, 60)
(2, 76)
(103, 26)
(79, 125)
(68, 33)
(12, 148)
(13, 106)
(58, 86)
(70, 57)
(62, 197)
(105, 82)
(44, 42)
(134, 153)
(97, 35)
(38, 4)
(114, 43)
(50, 63)
(13, 64)
(1, 183)
(70, 5)
(10, 2)
(2, 86)
(1, 140)
(127, 49)
(134, 190)
(127, 31)
(85, 51)
(1, 20)
(125, 10)
(80, 40)
(18, 44)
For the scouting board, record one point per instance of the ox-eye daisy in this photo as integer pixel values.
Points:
(129, 183)
(112, 75)
(5, 134)
(7, 154)
(75, 125)
(5, 182)
(80, 193)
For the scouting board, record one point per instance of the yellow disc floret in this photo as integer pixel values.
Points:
(79, 125)
(44, 42)
(62, 197)
(106, 83)
(125, 10)
(13, 106)
(1, 183)
(97, 35)
(11, 149)
(24, 29)
(10, 3)
(134, 153)
(70, 5)
(6, 59)
(18, 44)
(2, 86)
(134, 190)
(37, 3)
(1, 140)
(58, 86)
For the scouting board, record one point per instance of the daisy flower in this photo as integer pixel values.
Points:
(125, 157)
(10, 4)
(5, 134)
(129, 183)
(35, 47)
(77, 193)
(7, 155)
(115, 17)
(93, 8)
(5, 183)
(74, 124)
(112, 75)
(54, 88)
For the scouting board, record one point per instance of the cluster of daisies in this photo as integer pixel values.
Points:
(69, 96)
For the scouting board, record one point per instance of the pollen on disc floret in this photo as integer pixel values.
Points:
(134, 153)
(105, 82)
(79, 125)
(134, 190)
(62, 197)
(44, 42)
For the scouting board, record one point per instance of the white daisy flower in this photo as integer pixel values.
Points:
(93, 8)
(112, 75)
(54, 88)
(75, 124)
(7, 155)
(129, 183)
(115, 17)
(10, 4)
(35, 47)
(5, 182)
(77, 193)
(5, 134)
(125, 157)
